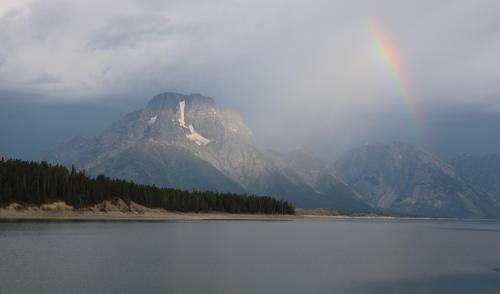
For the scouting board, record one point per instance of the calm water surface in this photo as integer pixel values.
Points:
(348, 256)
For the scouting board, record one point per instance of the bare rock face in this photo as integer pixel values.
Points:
(404, 178)
(189, 142)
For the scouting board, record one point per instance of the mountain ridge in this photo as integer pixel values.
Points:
(190, 142)
(408, 179)
(480, 171)
(198, 145)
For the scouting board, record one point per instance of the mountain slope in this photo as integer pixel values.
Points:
(166, 166)
(324, 180)
(482, 172)
(189, 142)
(404, 178)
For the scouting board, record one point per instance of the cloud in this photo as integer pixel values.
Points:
(309, 67)
(289, 47)
(130, 31)
(496, 109)
(45, 78)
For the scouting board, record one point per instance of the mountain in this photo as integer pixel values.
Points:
(481, 171)
(404, 178)
(323, 179)
(189, 142)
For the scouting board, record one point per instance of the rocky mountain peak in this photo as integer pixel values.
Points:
(171, 100)
(176, 118)
(189, 142)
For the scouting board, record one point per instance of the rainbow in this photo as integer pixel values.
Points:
(393, 61)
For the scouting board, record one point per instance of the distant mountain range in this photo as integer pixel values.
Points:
(404, 178)
(480, 171)
(189, 142)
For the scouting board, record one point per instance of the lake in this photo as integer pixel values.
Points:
(341, 256)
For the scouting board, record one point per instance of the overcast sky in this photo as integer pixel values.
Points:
(304, 74)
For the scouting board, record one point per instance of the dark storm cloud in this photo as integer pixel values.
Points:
(465, 128)
(29, 127)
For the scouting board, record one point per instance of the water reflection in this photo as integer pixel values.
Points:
(346, 256)
(457, 284)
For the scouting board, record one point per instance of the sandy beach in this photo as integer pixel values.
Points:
(39, 215)
(118, 210)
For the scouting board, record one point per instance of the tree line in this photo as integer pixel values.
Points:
(36, 183)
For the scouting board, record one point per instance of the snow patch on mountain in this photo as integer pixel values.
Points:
(194, 135)
(152, 120)
(182, 106)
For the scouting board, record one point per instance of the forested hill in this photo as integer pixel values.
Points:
(39, 182)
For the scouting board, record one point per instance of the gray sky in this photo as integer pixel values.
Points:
(302, 73)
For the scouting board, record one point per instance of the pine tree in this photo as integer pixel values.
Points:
(37, 183)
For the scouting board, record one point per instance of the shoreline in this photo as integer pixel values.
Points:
(27, 215)
(156, 215)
